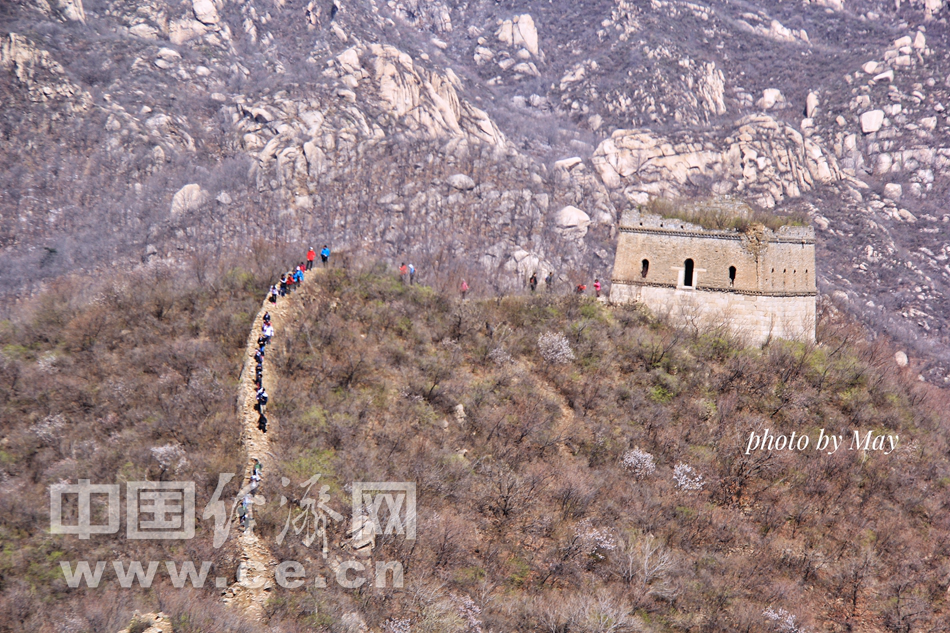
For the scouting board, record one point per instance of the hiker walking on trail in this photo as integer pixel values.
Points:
(268, 332)
(256, 476)
(533, 282)
(464, 288)
(549, 281)
(597, 287)
(283, 285)
(261, 400)
(274, 290)
(403, 271)
(412, 273)
(298, 275)
(242, 513)
(325, 255)
(311, 255)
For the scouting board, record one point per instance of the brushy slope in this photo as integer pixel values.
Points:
(119, 379)
(537, 507)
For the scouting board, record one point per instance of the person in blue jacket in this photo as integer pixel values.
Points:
(325, 255)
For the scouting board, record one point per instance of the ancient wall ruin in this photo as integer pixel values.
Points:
(759, 283)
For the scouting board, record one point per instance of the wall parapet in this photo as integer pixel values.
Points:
(735, 291)
(635, 222)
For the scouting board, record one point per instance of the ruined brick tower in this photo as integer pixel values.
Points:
(759, 284)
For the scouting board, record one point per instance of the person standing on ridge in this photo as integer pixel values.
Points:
(549, 281)
(403, 271)
(533, 282)
(464, 288)
(597, 287)
(412, 273)
(325, 255)
(311, 255)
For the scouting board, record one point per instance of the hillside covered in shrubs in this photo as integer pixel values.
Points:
(582, 467)
(578, 467)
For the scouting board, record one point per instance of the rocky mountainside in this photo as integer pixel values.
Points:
(486, 139)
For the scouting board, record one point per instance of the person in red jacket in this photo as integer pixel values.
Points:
(311, 255)
(597, 287)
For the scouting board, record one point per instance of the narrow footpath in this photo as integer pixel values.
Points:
(257, 565)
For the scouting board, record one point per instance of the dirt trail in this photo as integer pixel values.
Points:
(257, 565)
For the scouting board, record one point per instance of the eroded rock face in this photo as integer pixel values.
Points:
(42, 76)
(429, 102)
(67, 10)
(765, 159)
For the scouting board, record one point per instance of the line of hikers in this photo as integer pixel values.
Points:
(288, 283)
(267, 333)
(291, 280)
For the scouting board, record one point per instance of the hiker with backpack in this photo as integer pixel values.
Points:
(261, 400)
(403, 271)
(533, 282)
(464, 288)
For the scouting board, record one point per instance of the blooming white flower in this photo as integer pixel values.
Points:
(639, 463)
(554, 348)
(687, 478)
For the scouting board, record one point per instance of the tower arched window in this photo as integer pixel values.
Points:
(732, 275)
(688, 273)
(644, 268)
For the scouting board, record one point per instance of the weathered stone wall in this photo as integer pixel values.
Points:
(755, 318)
(772, 292)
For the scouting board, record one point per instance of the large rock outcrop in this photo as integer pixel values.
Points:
(762, 158)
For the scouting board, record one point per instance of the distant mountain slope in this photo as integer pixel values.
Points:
(456, 133)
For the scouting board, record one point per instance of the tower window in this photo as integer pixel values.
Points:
(732, 275)
(688, 273)
(644, 267)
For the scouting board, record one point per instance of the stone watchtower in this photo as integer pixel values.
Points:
(760, 284)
